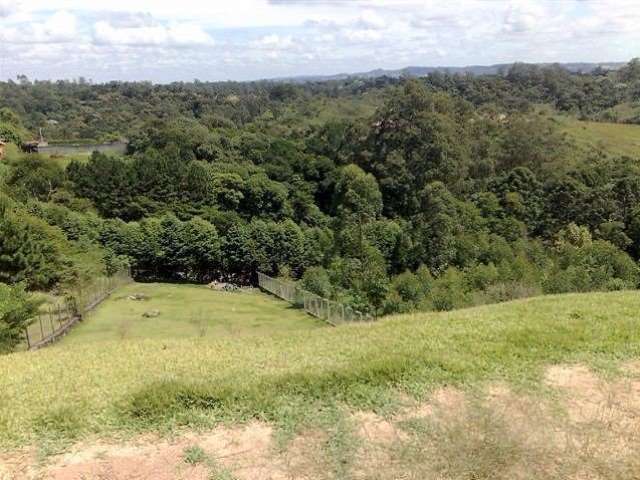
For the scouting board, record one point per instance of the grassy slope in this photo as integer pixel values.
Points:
(613, 138)
(187, 311)
(109, 387)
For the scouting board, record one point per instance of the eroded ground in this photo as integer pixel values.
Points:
(585, 427)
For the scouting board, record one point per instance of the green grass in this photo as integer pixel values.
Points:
(187, 311)
(194, 455)
(113, 387)
(612, 138)
(64, 160)
(624, 112)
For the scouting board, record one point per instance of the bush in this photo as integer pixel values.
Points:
(592, 266)
(449, 291)
(17, 310)
(407, 290)
(506, 291)
(316, 280)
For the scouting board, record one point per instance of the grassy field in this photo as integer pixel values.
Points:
(613, 138)
(187, 311)
(287, 376)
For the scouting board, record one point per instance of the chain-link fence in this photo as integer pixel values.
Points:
(54, 320)
(332, 312)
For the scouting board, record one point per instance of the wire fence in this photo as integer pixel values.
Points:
(54, 320)
(332, 312)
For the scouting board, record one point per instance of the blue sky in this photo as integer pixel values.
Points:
(165, 41)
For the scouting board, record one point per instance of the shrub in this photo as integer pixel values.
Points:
(17, 310)
(407, 290)
(316, 280)
(505, 291)
(449, 291)
(592, 266)
(409, 287)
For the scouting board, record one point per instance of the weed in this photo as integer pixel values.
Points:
(341, 444)
(163, 400)
(194, 455)
(217, 472)
(61, 422)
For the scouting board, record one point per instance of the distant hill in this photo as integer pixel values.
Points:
(576, 67)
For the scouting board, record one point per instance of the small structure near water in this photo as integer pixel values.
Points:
(79, 147)
(74, 148)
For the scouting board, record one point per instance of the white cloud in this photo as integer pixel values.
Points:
(7, 7)
(362, 35)
(370, 19)
(523, 17)
(175, 35)
(61, 27)
(275, 41)
(262, 38)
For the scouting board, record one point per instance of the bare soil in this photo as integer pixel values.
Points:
(589, 429)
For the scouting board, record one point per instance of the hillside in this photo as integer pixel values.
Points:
(412, 201)
(610, 138)
(298, 381)
(421, 71)
(257, 376)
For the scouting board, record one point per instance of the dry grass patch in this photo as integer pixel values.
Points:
(589, 428)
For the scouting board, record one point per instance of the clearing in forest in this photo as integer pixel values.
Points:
(171, 311)
(612, 138)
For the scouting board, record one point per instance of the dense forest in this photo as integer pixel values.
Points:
(387, 194)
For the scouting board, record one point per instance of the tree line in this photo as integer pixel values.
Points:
(435, 199)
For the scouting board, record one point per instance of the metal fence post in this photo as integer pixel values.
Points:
(323, 308)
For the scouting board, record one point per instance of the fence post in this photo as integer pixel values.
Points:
(314, 305)
(26, 332)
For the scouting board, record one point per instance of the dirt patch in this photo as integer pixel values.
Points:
(304, 456)
(603, 425)
(632, 368)
(17, 465)
(373, 428)
(447, 398)
(589, 398)
(246, 451)
(591, 429)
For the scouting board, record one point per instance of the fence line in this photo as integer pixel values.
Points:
(53, 321)
(332, 312)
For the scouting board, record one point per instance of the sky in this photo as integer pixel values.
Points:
(164, 41)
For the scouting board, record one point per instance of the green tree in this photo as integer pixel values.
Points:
(199, 248)
(316, 280)
(31, 251)
(17, 311)
(35, 177)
